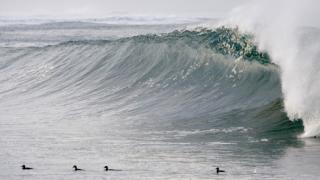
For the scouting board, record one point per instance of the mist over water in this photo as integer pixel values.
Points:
(288, 31)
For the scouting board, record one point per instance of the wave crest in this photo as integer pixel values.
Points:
(183, 79)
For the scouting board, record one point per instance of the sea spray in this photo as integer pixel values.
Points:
(287, 30)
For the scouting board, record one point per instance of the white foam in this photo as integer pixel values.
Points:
(277, 26)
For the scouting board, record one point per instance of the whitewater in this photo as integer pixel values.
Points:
(289, 32)
(159, 98)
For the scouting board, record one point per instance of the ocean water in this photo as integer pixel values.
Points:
(150, 100)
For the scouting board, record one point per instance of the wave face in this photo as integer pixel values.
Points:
(196, 81)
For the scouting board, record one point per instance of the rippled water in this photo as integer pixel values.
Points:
(53, 149)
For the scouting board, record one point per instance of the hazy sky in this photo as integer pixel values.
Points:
(99, 8)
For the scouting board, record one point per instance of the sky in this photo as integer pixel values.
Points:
(101, 8)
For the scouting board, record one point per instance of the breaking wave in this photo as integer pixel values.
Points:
(190, 80)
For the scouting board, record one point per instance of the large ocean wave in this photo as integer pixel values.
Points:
(189, 80)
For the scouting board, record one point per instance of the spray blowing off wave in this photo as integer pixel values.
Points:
(287, 30)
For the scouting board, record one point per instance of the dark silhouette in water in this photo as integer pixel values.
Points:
(219, 171)
(76, 168)
(106, 168)
(26, 168)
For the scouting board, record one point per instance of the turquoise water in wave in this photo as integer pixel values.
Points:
(147, 100)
